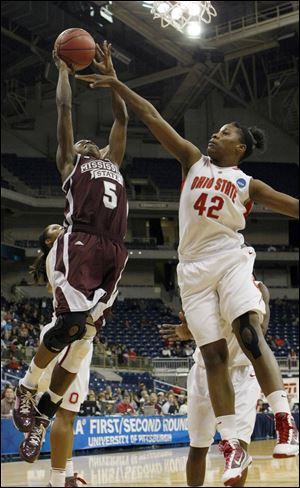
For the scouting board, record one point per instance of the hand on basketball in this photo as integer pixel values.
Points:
(96, 81)
(103, 61)
(176, 332)
(60, 64)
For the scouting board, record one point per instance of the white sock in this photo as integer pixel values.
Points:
(54, 397)
(69, 468)
(278, 402)
(226, 425)
(57, 477)
(32, 376)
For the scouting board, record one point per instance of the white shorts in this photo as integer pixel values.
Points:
(201, 418)
(78, 390)
(217, 290)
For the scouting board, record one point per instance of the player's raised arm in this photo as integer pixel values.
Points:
(184, 151)
(118, 134)
(275, 200)
(65, 151)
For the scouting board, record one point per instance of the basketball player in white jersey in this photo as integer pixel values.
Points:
(214, 270)
(247, 392)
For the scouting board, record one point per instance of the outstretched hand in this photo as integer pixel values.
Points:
(96, 81)
(103, 61)
(176, 332)
(60, 64)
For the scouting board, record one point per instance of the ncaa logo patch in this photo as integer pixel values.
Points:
(241, 183)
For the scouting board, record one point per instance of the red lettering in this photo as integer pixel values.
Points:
(202, 181)
(220, 203)
(228, 188)
(200, 203)
(73, 398)
(218, 184)
(210, 183)
(195, 181)
(224, 183)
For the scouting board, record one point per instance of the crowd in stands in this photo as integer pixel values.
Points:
(132, 330)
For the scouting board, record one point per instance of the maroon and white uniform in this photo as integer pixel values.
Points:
(89, 257)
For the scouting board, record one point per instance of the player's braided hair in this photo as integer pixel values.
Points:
(38, 268)
(252, 137)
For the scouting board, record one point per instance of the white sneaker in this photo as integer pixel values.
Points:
(287, 436)
(236, 461)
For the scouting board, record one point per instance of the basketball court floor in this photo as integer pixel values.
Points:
(159, 467)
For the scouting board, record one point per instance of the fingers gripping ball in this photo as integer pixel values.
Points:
(76, 48)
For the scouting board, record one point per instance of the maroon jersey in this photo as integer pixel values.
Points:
(96, 200)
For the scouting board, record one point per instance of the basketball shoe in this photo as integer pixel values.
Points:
(72, 480)
(29, 449)
(24, 411)
(287, 436)
(236, 461)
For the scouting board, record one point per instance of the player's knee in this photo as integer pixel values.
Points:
(76, 355)
(250, 334)
(69, 327)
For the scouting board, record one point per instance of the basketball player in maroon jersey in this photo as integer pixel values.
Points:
(87, 259)
(212, 206)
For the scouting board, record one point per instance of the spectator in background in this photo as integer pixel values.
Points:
(278, 341)
(161, 398)
(183, 407)
(13, 363)
(170, 407)
(188, 350)
(124, 406)
(166, 351)
(7, 403)
(132, 355)
(177, 351)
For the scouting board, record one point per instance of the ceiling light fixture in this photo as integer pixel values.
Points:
(186, 17)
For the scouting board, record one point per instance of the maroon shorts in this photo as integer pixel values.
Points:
(85, 270)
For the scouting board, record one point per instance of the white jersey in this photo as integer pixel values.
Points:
(212, 210)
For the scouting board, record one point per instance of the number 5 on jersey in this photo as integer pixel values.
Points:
(110, 198)
(201, 202)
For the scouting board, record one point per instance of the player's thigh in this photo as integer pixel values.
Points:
(201, 419)
(200, 303)
(237, 291)
(247, 392)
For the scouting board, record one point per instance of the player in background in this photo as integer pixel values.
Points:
(61, 435)
(247, 392)
(215, 270)
(87, 259)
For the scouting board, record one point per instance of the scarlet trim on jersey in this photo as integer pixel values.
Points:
(65, 355)
(182, 185)
(248, 206)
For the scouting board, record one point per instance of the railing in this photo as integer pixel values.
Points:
(104, 361)
(163, 386)
(258, 17)
(288, 365)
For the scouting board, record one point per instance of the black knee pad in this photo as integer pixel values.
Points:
(69, 327)
(249, 336)
(46, 406)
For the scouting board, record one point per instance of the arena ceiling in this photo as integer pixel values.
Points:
(252, 62)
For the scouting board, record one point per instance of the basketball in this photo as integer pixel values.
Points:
(76, 47)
